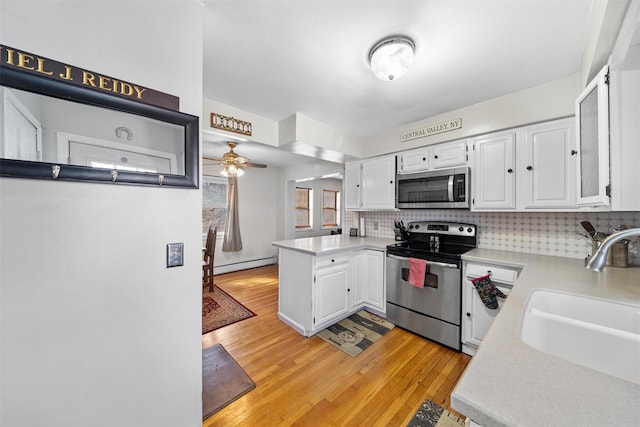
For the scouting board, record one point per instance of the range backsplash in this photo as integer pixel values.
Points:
(543, 233)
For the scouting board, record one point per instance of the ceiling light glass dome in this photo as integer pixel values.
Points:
(391, 57)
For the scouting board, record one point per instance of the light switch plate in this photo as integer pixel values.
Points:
(175, 254)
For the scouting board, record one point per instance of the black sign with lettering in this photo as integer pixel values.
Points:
(28, 62)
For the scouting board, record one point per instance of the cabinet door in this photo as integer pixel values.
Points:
(373, 279)
(546, 166)
(378, 183)
(592, 121)
(330, 295)
(356, 282)
(493, 175)
(449, 154)
(476, 317)
(352, 179)
(413, 160)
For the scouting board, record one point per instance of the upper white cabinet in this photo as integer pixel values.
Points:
(493, 174)
(592, 121)
(352, 189)
(413, 160)
(445, 155)
(449, 154)
(370, 184)
(378, 182)
(546, 166)
(528, 168)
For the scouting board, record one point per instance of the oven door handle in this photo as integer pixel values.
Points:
(438, 264)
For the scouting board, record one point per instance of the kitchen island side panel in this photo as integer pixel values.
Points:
(295, 290)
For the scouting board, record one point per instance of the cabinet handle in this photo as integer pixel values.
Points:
(574, 152)
(529, 168)
(510, 170)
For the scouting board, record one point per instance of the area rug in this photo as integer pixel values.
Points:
(431, 414)
(221, 309)
(223, 380)
(357, 332)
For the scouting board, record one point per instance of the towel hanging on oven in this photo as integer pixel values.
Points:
(488, 292)
(420, 276)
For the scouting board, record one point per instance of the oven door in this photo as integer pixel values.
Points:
(442, 301)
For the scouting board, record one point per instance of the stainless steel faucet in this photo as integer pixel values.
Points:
(599, 259)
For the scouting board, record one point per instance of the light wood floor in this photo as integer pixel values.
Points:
(307, 382)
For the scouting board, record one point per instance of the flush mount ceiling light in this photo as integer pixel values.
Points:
(391, 57)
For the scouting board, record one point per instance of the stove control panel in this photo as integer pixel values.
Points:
(449, 228)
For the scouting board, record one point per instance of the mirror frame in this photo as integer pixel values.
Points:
(42, 170)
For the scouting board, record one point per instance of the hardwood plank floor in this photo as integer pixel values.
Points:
(307, 382)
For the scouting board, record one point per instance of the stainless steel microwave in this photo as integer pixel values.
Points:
(439, 189)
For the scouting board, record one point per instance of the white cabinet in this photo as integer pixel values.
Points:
(318, 291)
(546, 167)
(414, 160)
(352, 181)
(445, 155)
(592, 121)
(476, 317)
(368, 286)
(493, 174)
(378, 182)
(331, 286)
(449, 154)
(528, 168)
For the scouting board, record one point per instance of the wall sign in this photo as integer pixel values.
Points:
(230, 124)
(431, 130)
(31, 63)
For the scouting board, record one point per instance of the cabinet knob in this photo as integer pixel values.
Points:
(435, 157)
(390, 182)
(348, 290)
(510, 170)
(424, 158)
(489, 273)
(333, 260)
(574, 152)
(529, 168)
(468, 314)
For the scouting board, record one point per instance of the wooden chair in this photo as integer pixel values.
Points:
(208, 254)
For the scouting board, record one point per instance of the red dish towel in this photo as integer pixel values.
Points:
(417, 271)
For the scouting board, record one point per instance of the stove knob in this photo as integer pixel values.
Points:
(417, 226)
(461, 229)
(470, 229)
(410, 226)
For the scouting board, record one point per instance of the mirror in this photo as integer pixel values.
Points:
(53, 130)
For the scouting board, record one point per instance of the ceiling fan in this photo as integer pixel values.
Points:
(233, 163)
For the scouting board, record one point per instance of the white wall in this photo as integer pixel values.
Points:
(317, 185)
(257, 198)
(544, 102)
(95, 330)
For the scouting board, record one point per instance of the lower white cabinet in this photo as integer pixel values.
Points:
(317, 291)
(368, 284)
(476, 317)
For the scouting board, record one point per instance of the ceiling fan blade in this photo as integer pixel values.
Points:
(255, 165)
(213, 159)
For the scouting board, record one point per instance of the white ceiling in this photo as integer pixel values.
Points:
(276, 58)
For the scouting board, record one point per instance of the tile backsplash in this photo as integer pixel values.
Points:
(543, 233)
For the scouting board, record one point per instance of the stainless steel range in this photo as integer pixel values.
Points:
(432, 311)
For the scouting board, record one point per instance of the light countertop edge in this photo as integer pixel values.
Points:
(508, 383)
(326, 245)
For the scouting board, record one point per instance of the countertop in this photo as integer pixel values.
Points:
(508, 383)
(326, 245)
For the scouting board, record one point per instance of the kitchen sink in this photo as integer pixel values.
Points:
(599, 334)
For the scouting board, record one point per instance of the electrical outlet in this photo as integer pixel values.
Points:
(175, 254)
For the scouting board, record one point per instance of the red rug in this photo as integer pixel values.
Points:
(221, 309)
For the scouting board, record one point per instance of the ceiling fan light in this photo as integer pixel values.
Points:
(391, 57)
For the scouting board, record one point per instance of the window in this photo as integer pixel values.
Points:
(303, 207)
(330, 208)
(214, 203)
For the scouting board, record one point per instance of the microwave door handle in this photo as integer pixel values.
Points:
(435, 263)
(450, 187)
